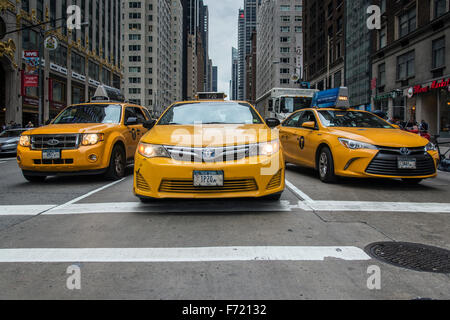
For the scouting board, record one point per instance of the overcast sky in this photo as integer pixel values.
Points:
(223, 20)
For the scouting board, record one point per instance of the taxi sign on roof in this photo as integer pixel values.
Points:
(211, 96)
(108, 94)
(332, 98)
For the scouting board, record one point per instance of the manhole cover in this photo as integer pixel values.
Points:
(413, 256)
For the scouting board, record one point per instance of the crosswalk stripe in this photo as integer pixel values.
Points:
(206, 254)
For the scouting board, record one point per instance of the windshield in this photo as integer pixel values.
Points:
(290, 105)
(210, 113)
(11, 134)
(351, 119)
(91, 113)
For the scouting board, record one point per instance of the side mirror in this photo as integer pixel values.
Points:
(131, 121)
(149, 124)
(309, 125)
(272, 122)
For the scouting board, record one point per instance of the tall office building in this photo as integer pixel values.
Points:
(241, 56)
(151, 53)
(234, 74)
(84, 59)
(215, 74)
(279, 45)
(324, 41)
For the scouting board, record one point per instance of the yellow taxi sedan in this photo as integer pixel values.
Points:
(209, 149)
(353, 143)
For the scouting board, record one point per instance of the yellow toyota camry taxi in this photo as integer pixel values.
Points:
(90, 138)
(210, 148)
(353, 143)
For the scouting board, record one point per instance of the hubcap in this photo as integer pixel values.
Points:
(323, 164)
(118, 163)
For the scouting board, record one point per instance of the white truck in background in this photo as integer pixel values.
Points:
(280, 103)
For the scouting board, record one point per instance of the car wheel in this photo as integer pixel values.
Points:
(325, 164)
(273, 197)
(116, 169)
(412, 181)
(34, 179)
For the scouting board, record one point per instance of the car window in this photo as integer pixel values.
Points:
(308, 116)
(90, 113)
(140, 115)
(352, 119)
(147, 114)
(129, 113)
(292, 121)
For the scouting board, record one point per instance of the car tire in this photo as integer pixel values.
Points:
(34, 179)
(273, 197)
(412, 181)
(117, 164)
(325, 165)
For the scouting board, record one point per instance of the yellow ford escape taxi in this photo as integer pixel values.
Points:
(352, 143)
(91, 138)
(209, 148)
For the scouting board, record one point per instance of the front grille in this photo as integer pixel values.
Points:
(386, 164)
(187, 186)
(398, 151)
(60, 141)
(213, 154)
(52, 162)
(276, 181)
(141, 183)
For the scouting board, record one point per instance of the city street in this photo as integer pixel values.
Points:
(310, 245)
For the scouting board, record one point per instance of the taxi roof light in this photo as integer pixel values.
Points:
(108, 94)
(211, 96)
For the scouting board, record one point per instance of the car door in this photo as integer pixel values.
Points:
(131, 134)
(307, 140)
(288, 136)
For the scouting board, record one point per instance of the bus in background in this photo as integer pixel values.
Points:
(280, 103)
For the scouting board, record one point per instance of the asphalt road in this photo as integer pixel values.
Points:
(307, 246)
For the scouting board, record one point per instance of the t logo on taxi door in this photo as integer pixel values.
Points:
(302, 143)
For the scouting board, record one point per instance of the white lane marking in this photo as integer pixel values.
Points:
(182, 254)
(71, 202)
(7, 159)
(30, 210)
(413, 207)
(298, 192)
(137, 207)
(201, 207)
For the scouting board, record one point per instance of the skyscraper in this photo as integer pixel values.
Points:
(234, 74)
(151, 51)
(279, 45)
(241, 55)
(214, 79)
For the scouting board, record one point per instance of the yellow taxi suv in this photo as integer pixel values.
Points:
(100, 137)
(209, 149)
(352, 143)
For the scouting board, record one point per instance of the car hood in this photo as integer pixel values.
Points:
(395, 138)
(71, 128)
(210, 135)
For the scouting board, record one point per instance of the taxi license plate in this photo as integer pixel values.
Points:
(407, 163)
(208, 178)
(51, 154)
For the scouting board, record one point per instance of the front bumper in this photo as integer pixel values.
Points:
(72, 160)
(247, 178)
(379, 164)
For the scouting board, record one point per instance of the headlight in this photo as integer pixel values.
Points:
(268, 148)
(90, 139)
(430, 147)
(152, 151)
(25, 141)
(355, 145)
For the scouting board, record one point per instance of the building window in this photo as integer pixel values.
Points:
(381, 75)
(440, 8)
(337, 79)
(405, 66)
(383, 37)
(285, 8)
(438, 53)
(407, 22)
